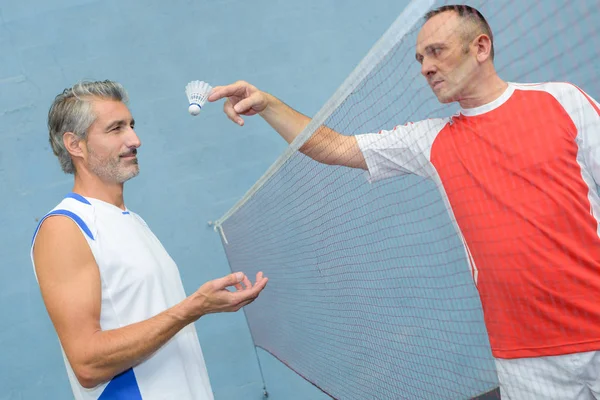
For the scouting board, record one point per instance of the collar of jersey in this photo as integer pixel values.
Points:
(471, 112)
(84, 200)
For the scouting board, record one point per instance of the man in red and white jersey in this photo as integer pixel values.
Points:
(517, 167)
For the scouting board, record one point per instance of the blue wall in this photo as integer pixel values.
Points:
(193, 169)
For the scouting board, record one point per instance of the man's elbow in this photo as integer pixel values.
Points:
(88, 377)
(320, 155)
(335, 149)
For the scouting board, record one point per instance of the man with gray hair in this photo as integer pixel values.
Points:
(111, 290)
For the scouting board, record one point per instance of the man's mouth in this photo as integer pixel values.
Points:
(435, 84)
(130, 154)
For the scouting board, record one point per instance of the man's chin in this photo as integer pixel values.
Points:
(131, 175)
(444, 98)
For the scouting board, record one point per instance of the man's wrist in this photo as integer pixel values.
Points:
(184, 312)
(271, 102)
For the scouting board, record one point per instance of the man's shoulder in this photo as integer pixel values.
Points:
(74, 207)
(428, 125)
(570, 96)
(550, 87)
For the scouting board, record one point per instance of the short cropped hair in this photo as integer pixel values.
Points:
(470, 14)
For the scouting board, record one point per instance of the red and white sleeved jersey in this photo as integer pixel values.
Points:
(518, 176)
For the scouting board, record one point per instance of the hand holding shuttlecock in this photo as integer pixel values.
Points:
(197, 92)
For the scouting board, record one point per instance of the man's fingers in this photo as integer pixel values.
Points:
(250, 294)
(247, 282)
(219, 92)
(243, 295)
(245, 303)
(231, 114)
(229, 280)
(213, 93)
(260, 285)
(247, 104)
(235, 89)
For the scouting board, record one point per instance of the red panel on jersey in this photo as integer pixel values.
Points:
(516, 190)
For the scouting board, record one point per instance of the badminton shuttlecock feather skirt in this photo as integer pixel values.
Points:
(197, 93)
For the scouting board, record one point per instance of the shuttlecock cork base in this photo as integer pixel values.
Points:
(197, 92)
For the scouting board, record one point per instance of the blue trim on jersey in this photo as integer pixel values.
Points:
(78, 197)
(122, 387)
(125, 212)
(69, 214)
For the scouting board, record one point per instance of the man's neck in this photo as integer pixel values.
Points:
(92, 186)
(484, 91)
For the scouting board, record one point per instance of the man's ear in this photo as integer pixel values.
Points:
(484, 47)
(74, 145)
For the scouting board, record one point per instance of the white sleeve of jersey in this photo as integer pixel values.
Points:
(588, 125)
(404, 149)
(585, 114)
(592, 136)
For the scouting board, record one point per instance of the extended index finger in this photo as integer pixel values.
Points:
(219, 92)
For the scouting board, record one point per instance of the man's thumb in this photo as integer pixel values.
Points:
(234, 278)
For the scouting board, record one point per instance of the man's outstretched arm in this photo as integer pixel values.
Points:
(70, 283)
(325, 145)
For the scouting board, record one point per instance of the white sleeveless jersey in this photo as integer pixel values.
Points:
(139, 280)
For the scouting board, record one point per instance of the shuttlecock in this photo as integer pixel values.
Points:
(197, 92)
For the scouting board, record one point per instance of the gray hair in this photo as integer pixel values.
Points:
(71, 111)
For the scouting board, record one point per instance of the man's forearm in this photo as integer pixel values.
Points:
(284, 119)
(325, 145)
(111, 352)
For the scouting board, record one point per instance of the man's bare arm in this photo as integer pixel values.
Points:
(325, 145)
(69, 280)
